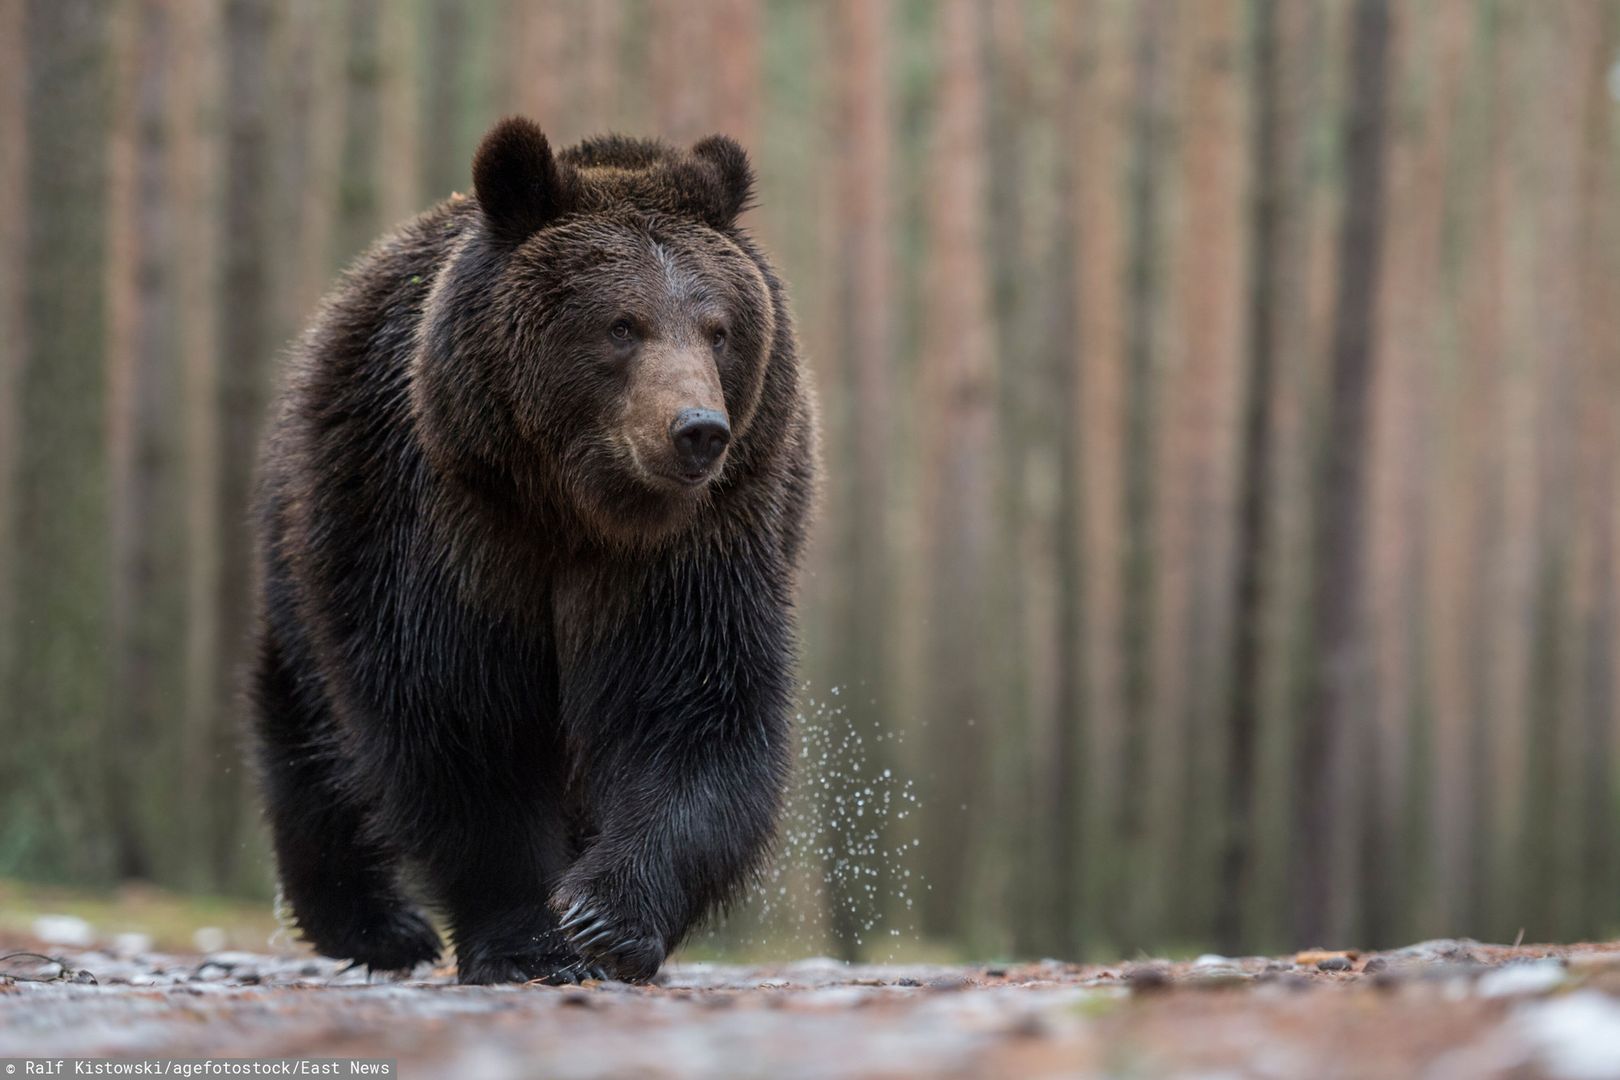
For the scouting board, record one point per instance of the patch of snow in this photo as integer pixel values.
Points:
(230, 961)
(1514, 980)
(131, 944)
(208, 939)
(820, 964)
(64, 930)
(1575, 1037)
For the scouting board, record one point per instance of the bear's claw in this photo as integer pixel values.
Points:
(598, 930)
(604, 943)
(548, 970)
(574, 916)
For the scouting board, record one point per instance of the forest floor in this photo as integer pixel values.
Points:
(1440, 1009)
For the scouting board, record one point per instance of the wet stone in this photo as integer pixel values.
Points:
(1148, 978)
(1292, 981)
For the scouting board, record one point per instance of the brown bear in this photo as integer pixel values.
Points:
(528, 523)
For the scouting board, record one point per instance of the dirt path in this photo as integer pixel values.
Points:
(1441, 1009)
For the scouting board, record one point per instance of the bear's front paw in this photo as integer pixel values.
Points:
(481, 968)
(627, 952)
(390, 939)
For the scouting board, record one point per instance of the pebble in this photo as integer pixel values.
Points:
(1148, 978)
(1456, 950)
(230, 961)
(1287, 980)
(1334, 963)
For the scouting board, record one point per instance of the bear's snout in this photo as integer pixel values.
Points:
(676, 422)
(700, 437)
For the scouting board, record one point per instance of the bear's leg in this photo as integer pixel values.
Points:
(689, 736)
(684, 842)
(340, 884)
(495, 883)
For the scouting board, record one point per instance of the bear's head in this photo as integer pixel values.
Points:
(599, 335)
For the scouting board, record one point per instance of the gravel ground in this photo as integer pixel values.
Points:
(1440, 1009)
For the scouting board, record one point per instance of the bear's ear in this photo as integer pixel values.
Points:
(729, 187)
(519, 184)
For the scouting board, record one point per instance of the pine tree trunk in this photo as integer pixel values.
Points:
(13, 327)
(1269, 202)
(1057, 785)
(60, 574)
(864, 300)
(1134, 900)
(245, 352)
(195, 168)
(359, 215)
(958, 348)
(141, 384)
(736, 89)
(1334, 742)
(679, 32)
(444, 110)
(1208, 264)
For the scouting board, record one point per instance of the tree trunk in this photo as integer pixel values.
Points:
(1333, 740)
(13, 326)
(1208, 264)
(398, 161)
(60, 574)
(194, 169)
(360, 210)
(1008, 888)
(736, 90)
(245, 351)
(1058, 782)
(1132, 904)
(141, 383)
(1101, 120)
(603, 108)
(1451, 558)
(679, 31)
(1596, 687)
(536, 75)
(864, 300)
(957, 347)
(1269, 201)
(444, 165)
(312, 134)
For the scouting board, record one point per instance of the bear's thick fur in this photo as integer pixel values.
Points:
(528, 520)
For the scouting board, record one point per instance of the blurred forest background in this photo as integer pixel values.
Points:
(1222, 404)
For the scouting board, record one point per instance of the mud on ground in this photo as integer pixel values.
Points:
(1440, 1009)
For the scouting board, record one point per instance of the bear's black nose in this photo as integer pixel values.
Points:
(700, 437)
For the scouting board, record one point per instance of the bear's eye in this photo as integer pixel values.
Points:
(621, 330)
(719, 338)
